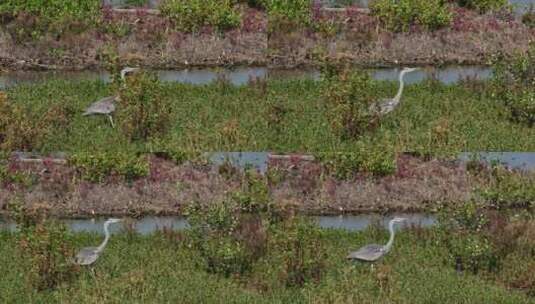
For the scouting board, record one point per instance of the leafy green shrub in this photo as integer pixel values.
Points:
(349, 96)
(462, 232)
(45, 247)
(23, 128)
(512, 83)
(143, 112)
(518, 273)
(228, 239)
(297, 255)
(96, 166)
(192, 15)
(508, 189)
(483, 6)
(15, 177)
(399, 15)
(230, 235)
(169, 149)
(346, 165)
(529, 19)
(284, 11)
(522, 107)
(51, 16)
(259, 4)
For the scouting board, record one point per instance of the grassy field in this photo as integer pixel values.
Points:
(287, 116)
(158, 269)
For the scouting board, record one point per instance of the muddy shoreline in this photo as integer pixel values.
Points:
(472, 39)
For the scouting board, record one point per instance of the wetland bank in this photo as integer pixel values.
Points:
(269, 33)
(275, 225)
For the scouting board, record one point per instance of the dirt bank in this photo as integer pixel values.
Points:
(471, 39)
(149, 40)
(142, 39)
(417, 186)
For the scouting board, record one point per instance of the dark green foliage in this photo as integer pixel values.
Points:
(297, 253)
(23, 128)
(349, 96)
(193, 15)
(230, 235)
(143, 110)
(462, 234)
(483, 6)
(298, 11)
(347, 165)
(228, 239)
(45, 248)
(513, 82)
(504, 189)
(36, 18)
(400, 15)
(258, 4)
(96, 166)
(529, 19)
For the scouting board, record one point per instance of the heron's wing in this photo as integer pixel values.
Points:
(105, 105)
(86, 256)
(384, 106)
(368, 253)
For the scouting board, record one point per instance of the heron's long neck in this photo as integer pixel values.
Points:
(400, 90)
(106, 238)
(391, 240)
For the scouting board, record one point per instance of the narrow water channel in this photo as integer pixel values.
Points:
(151, 224)
(260, 160)
(242, 75)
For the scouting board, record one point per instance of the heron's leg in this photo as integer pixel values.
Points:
(111, 121)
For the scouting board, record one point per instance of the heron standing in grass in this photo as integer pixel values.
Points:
(106, 105)
(373, 252)
(388, 105)
(89, 255)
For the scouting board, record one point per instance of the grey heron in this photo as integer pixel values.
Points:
(373, 252)
(89, 255)
(388, 105)
(106, 105)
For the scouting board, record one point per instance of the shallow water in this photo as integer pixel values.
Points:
(259, 160)
(151, 224)
(242, 160)
(513, 160)
(242, 75)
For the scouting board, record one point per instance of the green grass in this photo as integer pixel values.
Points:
(436, 119)
(153, 269)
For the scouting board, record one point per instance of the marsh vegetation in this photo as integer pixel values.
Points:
(249, 241)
